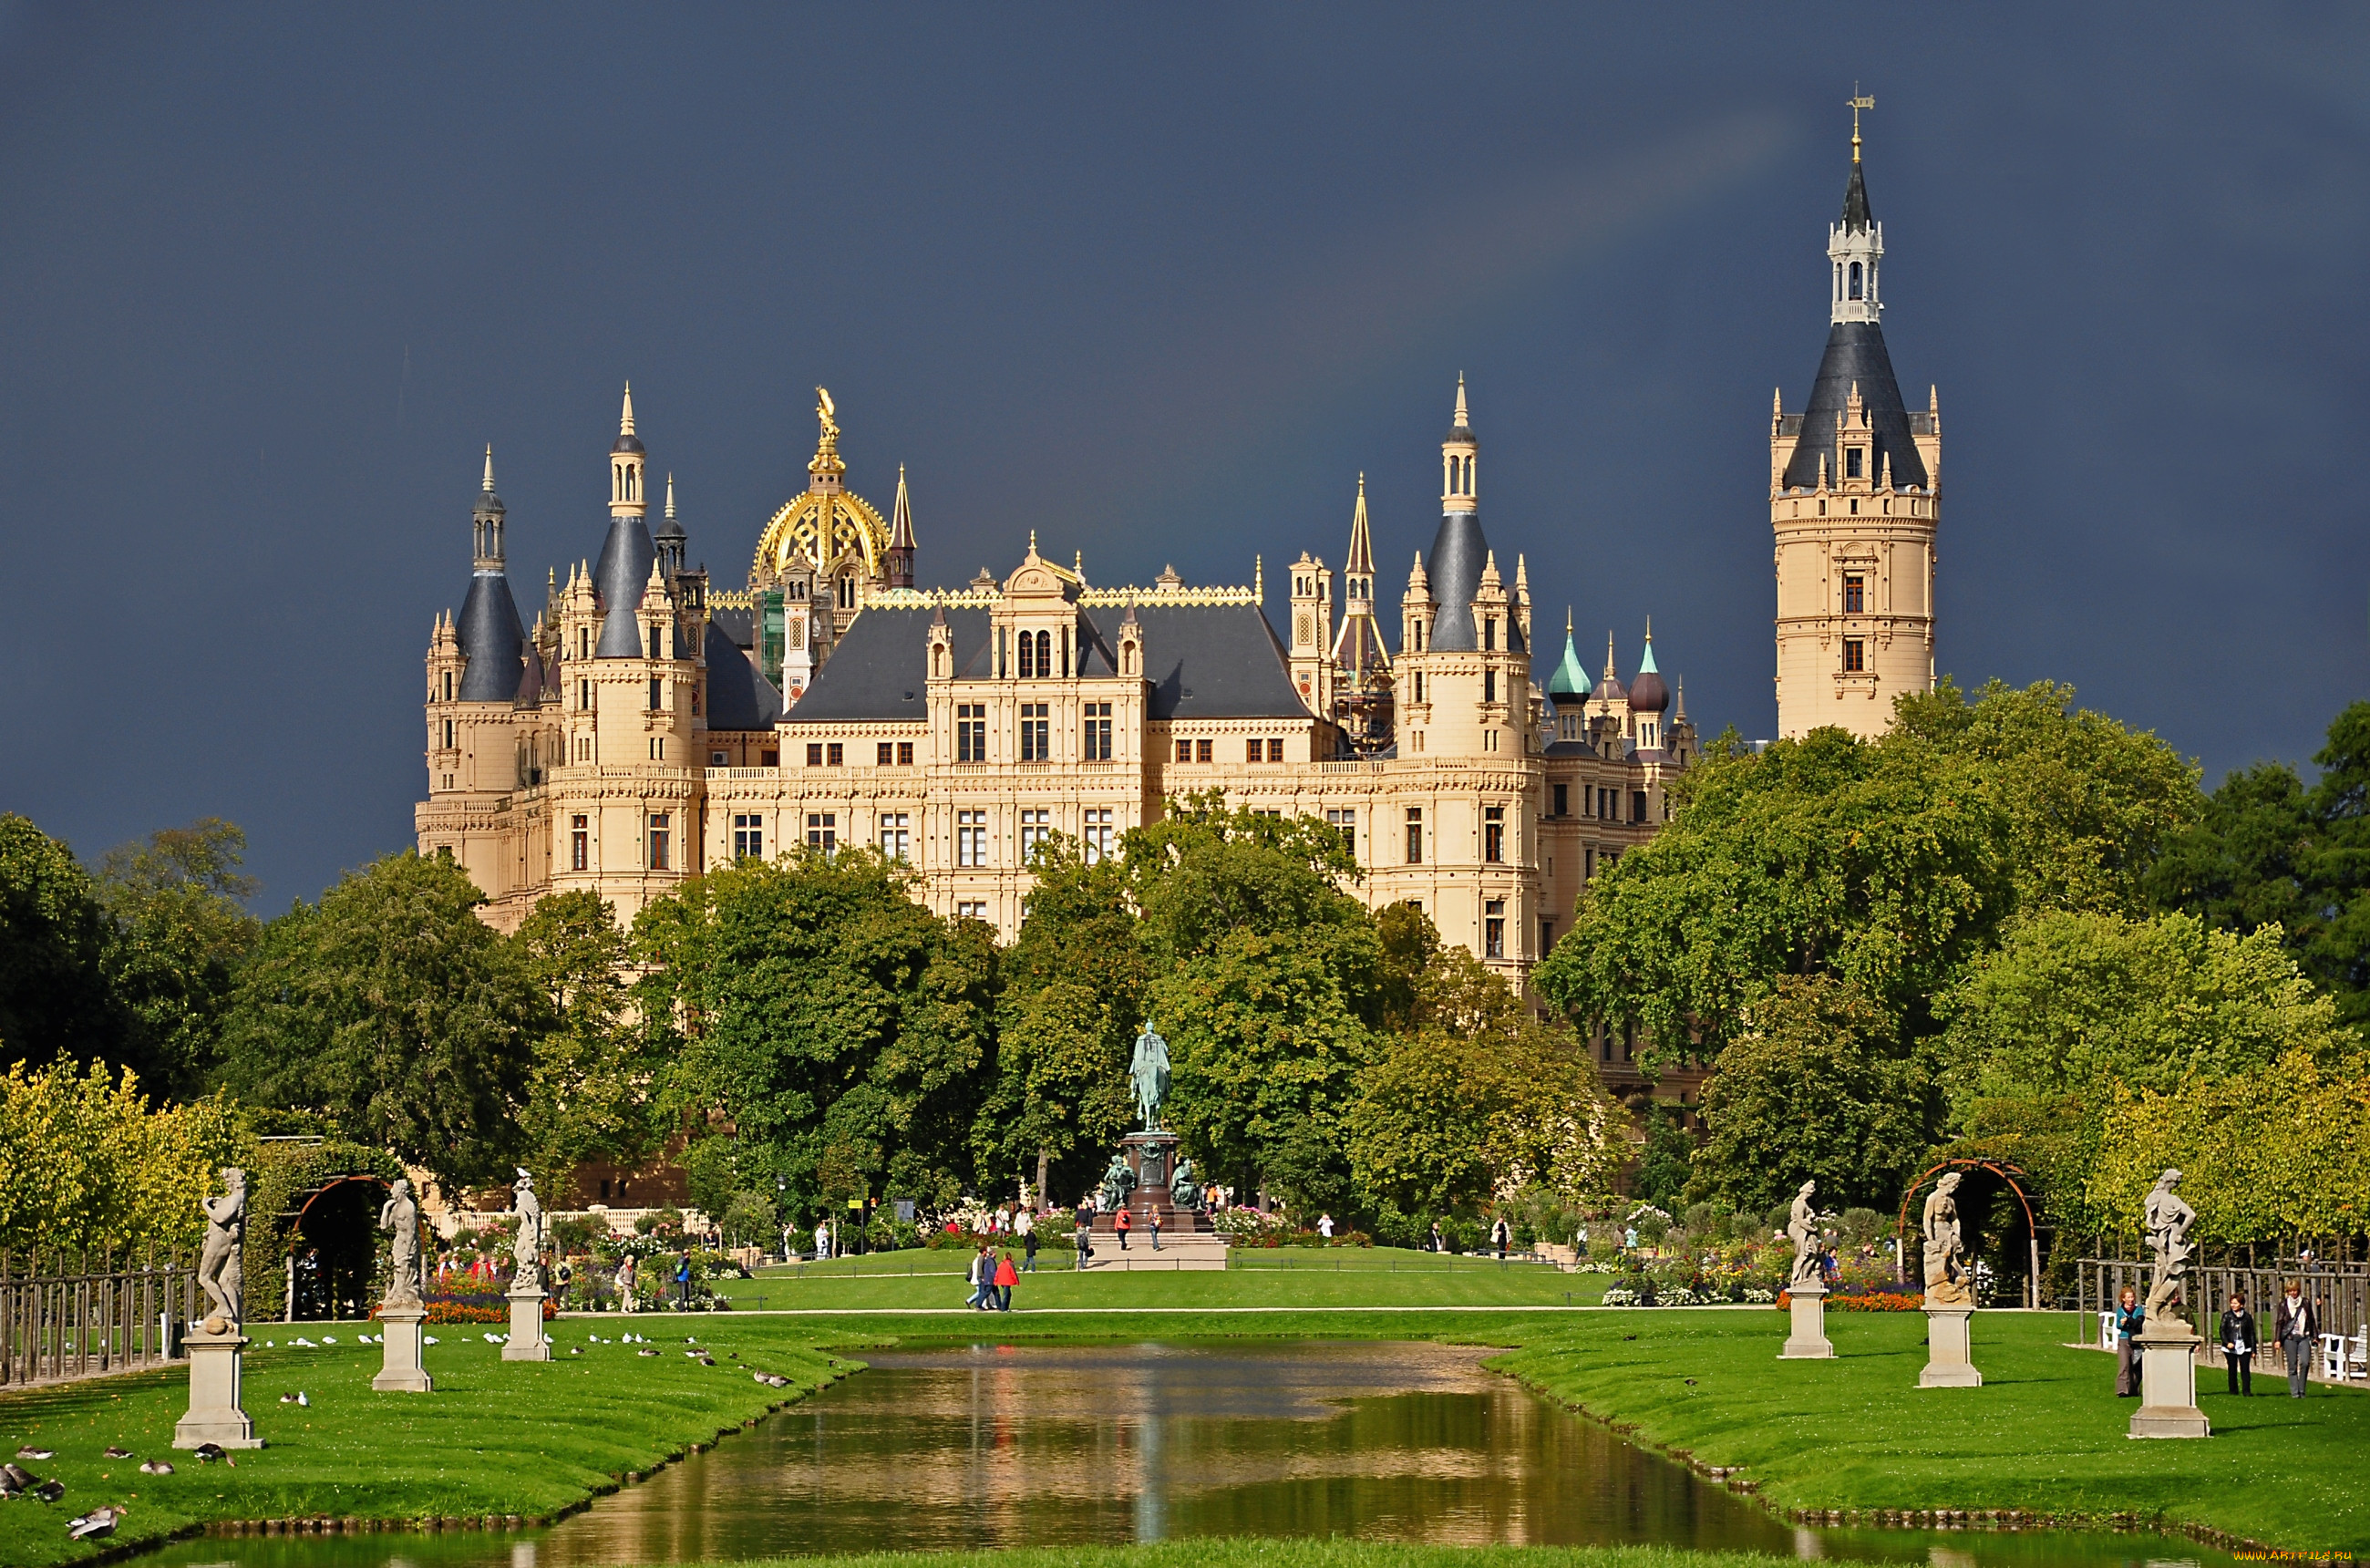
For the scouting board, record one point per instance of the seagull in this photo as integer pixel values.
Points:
(98, 1522)
(156, 1467)
(427, 1339)
(328, 1339)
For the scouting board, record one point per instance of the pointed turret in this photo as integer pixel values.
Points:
(1358, 650)
(1459, 549)
(1570, 684)
(1647, 693)
(898, 569)
(489, 632)
(670, 537)
(628, 554)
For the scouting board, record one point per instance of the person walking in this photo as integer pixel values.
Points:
(1028, 1250)
(2128, 1321)
(1325, 1226)
(979, 1277)
(1085, 1238)
(1005, 1278)
(1435, 1243)
(1152, 1218)
(2238, 1344)
(822, 1240)
(2297, 1326)
(627, 1270)
(564, 1278)
(683, 1280)
(1499, 1236)
(1119, 1223)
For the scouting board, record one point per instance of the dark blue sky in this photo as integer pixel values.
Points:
(1157, 284)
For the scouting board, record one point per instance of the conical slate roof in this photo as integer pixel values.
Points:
(619, 577)
(492, 639)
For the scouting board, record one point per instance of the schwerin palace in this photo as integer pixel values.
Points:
(649, 725)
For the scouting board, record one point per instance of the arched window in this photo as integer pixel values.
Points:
(1045, 654)
(1855, 280)
(1468, 475)
(1028, 657)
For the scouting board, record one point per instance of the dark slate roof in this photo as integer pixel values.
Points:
(491, 637)
(1855, 356)
(531, 681)
(619, 576)
(1205, 662)
(1856, 212)
(736, 624)
(1454, 570)
(739, 697)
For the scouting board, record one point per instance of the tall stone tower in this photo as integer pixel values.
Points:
(1854, 498)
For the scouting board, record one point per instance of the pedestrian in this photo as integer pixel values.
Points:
(683, 1280)
(1085, 1238)
(2128, 1321)
(1028, 1250)
(2238, 1344)
(564, 1279)
(1006, 1277)
(980, 1277)
(1120, 1222)
(822, 1240)
(626, 1268)
(1435, 1243)
(2297, 1326)
(1629, 1239)
(1152, 1217)
(1325, 1226)
(1499, 1236)
(1580, 1240)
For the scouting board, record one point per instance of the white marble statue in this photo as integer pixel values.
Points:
(400, 1215)
(2168, 1218)
(1802, 1223)
(220, 1271)
(1946, 1270)
(527, 1252)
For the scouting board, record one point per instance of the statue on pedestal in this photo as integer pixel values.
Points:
(400, 1215)
(221, 1273)
(2168, 1218)
(1802, 1224)
(1946, 1270)
(527, 1252)
(1117, 1183)
(1148, 1074)
(1185, 1188)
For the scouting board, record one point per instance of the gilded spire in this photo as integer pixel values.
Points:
(1857, 103)
(1362, 544)
(825, 466)
(901, 516)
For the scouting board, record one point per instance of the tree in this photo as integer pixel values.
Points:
(1073, 996)
(2071, 1003)
(1818, 1088)
(392, 1009)
(55, 1003)
(593, 1090)
(843, 1030)
(85, 1162)
(1880, 864)
(181, 929)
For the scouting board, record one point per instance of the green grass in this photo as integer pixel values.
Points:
(1266, 1277)
(1292, 1554)
(495, 1437)
(2044, 1434)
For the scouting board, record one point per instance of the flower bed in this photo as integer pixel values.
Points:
(1852, 1300)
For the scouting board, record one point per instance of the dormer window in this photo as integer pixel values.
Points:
(1489, 634)
(1854, 461)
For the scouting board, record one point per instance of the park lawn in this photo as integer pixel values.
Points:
(1266, 1552)
(1268, 1277)
(2044, 1434)
(495, 1437)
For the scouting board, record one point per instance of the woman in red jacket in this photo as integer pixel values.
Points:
(1120, 1222)
(1006, 1276)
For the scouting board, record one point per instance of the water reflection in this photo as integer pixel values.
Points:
(996, 1445)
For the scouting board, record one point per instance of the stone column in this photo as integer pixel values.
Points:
(1949, 1349)
(2169, 1384)
(215, 1415)
(1809, 1341)
(527, 1342)
(400, 1371)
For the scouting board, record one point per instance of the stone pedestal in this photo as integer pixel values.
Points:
(400, 1371)
(526, 1342)
(1809, 1342)
(2167, 1384)
(215, 1415)
(1949, 1349)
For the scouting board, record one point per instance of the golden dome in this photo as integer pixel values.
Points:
(825, 521)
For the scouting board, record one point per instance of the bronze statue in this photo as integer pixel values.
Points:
(1148, 1076)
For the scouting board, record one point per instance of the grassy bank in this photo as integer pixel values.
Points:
(1289, 1553)
(2043, 1434)
(495, 1437)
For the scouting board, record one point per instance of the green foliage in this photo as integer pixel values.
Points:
(1884, 864)
(279, 1177)
(54, 1000)
(2070, 1002)
(390, 1009)
(844, 1031)
(1666, 1165)
(2275, 1153)
(1819, 1090)
(181, 932)
(85, 1162)
(589, 1095)
(750, 1219)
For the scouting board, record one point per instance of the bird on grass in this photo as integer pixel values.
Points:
(208, 1453)
(156, 1467)
(98, 1522)
(29, 1452)
(114, 1453)
(50, 1491)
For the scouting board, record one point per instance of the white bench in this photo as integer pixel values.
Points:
(2107, 1331)
(2345, 1360)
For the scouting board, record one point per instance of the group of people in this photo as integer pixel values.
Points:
(1122, 1226)
(991, 1277)
(2295, 1329)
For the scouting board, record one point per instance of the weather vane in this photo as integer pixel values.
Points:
(1858, 102)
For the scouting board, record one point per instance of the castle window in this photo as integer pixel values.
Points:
(1184, 751)
(654, 642)
(1562, 801)
(747, 836)
(1493, 832)
(1855, 655)
(1855, 280)
(448, 734)
(659, 841)
(1275, 748)
(971, 731)
(448, 685)
(1637, 805)
(1415, 835)
(1027, 669)
(896, 835)
(1489, 686)
(584, 643)
(836, 752)
(972, 909)
(1546, 935)
(1489, 634)
(814, 754)
(1345, 823)
(1852, 462)
(1036, 732)
(823, 831)
(770, 757)
(1493, 929)
(882, 753)
(905, 754)
(585, 697)
(1097, 732)
(1095, 833)
(1854, 594)
(1418, 685)
(655, 703)
(579, 843)
(971, 838)
(1254, 750)
(1205, 751)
